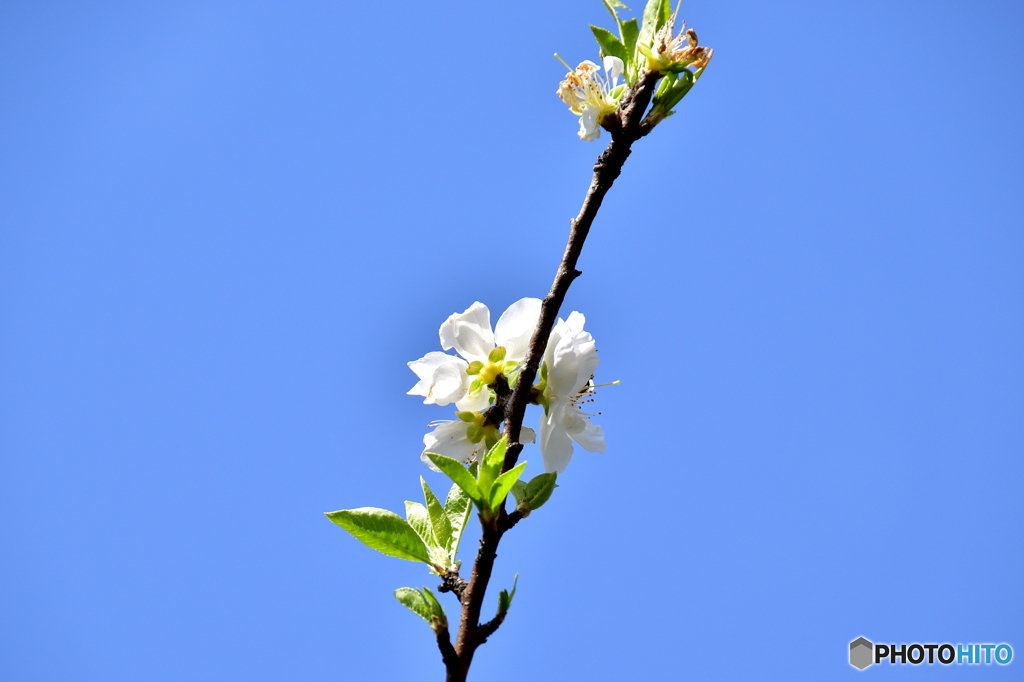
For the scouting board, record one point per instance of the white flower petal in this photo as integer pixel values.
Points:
(469, 332)
(575, 321)
(563, 372)
(474, 402)
(448, 439)
(515, 327)
(591, 438)
(589, 128)
(450, 382)
(435, 367)
(613, 66)
(555, 445)
(586, 360)
(527, 435)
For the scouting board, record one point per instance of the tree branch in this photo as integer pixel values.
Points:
(625, 128)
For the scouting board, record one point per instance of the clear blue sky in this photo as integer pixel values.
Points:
(225, 227)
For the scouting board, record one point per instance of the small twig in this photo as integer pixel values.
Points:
(512, 519)
(488, 628)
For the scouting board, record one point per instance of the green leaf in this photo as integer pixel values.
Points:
(384, 531)
(490, 467)
(416, 515)
(519, 491)
(455, 470)
(611, 6)
(505, 598)
(610, 45)
(539, 489)
(414, 600)
(457, 506)
(439, 522)
(504, 483)
(435, 606)
(424, 604)
(630, 32)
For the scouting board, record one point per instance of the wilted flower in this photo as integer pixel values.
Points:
(671, 52)
(592, 96)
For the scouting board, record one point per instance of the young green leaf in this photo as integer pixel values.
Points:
(490, 467)
(609, 44)
(630, 32)
(611, 6)
(455, 470)
(539, 489)
(457, 506)
(416, 515)
(505, 598)
(435, 606)
(504, 483)
(414, 600)
(423, 603)
(384, 531)
(518, 491)
(439, 522)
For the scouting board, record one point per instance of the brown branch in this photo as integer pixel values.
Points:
(444, 643)
(453, 583)
(625, 128)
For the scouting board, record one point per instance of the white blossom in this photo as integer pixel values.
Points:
(445, 378)
(567, 381)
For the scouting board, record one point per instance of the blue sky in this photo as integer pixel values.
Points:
(225, 227)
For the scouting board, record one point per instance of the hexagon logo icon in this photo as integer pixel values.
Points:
(862, 653)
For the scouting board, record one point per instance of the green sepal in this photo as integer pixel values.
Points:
(497, 355)
(505, 598)
(504, 483)
(678, 87)
(609, 44)
(474, 368)
(457, 506)
(424, 604)
(384, 531)
(466, 416)
(439, 523)
(474, 433)
(460, 476)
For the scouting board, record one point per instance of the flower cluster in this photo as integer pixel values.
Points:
(640, 51)
(487, 367)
